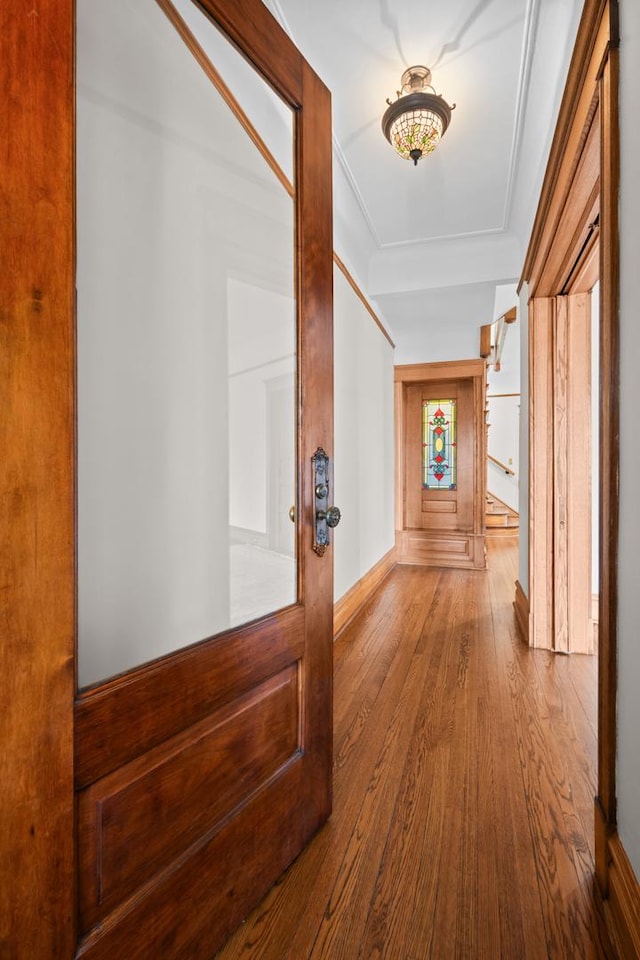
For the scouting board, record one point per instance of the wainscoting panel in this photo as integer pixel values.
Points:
(138, 819)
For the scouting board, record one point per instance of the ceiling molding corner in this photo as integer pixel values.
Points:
(278, 13)
(353, 186)
(420, 241)
(524, 81)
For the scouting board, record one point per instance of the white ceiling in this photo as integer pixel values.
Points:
(361, 47)
(458, 223)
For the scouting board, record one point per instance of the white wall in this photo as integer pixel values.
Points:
(628, 761)
(503, 444)
(504, 411)
(363, 446)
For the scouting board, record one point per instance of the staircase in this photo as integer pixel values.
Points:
(500, 520)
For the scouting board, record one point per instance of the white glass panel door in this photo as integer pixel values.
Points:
(186, 340)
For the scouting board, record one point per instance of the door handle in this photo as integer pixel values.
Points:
(326, 517)
(331, 516)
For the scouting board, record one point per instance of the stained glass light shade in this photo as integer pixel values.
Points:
(439, 445)
(416, 130)
(415, 122)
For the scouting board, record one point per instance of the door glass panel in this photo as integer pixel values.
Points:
(439, 445)
(186, 339)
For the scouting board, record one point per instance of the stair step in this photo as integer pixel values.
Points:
(511, 531)
(498, 520)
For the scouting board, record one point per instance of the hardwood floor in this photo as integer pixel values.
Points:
(463, 790)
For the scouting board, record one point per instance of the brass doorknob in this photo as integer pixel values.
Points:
(292, 514)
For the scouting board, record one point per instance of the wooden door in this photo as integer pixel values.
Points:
(199, 776)
(439, 515)
(440, 506)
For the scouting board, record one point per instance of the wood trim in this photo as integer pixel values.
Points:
(37, 872)
(588, 269)
(256, 32)
(623, 903)
(560, 460)
(541, 319)
(576, 212)
(609, 434)
(315, 413)
(347, 608)
(442, 548)
(593, 78)
(480, 441)
(443, 370)
(485, 340)
(590, 47)
(578, 481)
(360, 295)
(399, 434)
(521, 608)
(603, 831)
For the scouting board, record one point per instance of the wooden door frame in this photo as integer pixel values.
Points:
(564, 226)
(468, 547)
(37, 476)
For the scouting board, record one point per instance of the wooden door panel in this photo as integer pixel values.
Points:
(439, 514)
(201, 775)
(152, 901)
(118, 721)
(138, 820)
(191, 908)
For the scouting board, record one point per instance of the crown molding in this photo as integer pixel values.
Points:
(524, 81)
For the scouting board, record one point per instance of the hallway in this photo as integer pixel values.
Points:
(463, 789)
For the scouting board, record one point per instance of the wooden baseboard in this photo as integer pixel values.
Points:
(521, 607)
(349, 605)
(602, 833)
(623, 904)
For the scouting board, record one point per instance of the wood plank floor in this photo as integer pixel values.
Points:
(463, 790)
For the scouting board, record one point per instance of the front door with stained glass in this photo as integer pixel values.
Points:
(439, 455)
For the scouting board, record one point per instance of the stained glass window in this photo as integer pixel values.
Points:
(439, 453)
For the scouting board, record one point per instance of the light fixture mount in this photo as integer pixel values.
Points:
(417, 120)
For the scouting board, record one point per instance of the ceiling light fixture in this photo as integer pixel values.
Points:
(418, 119)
